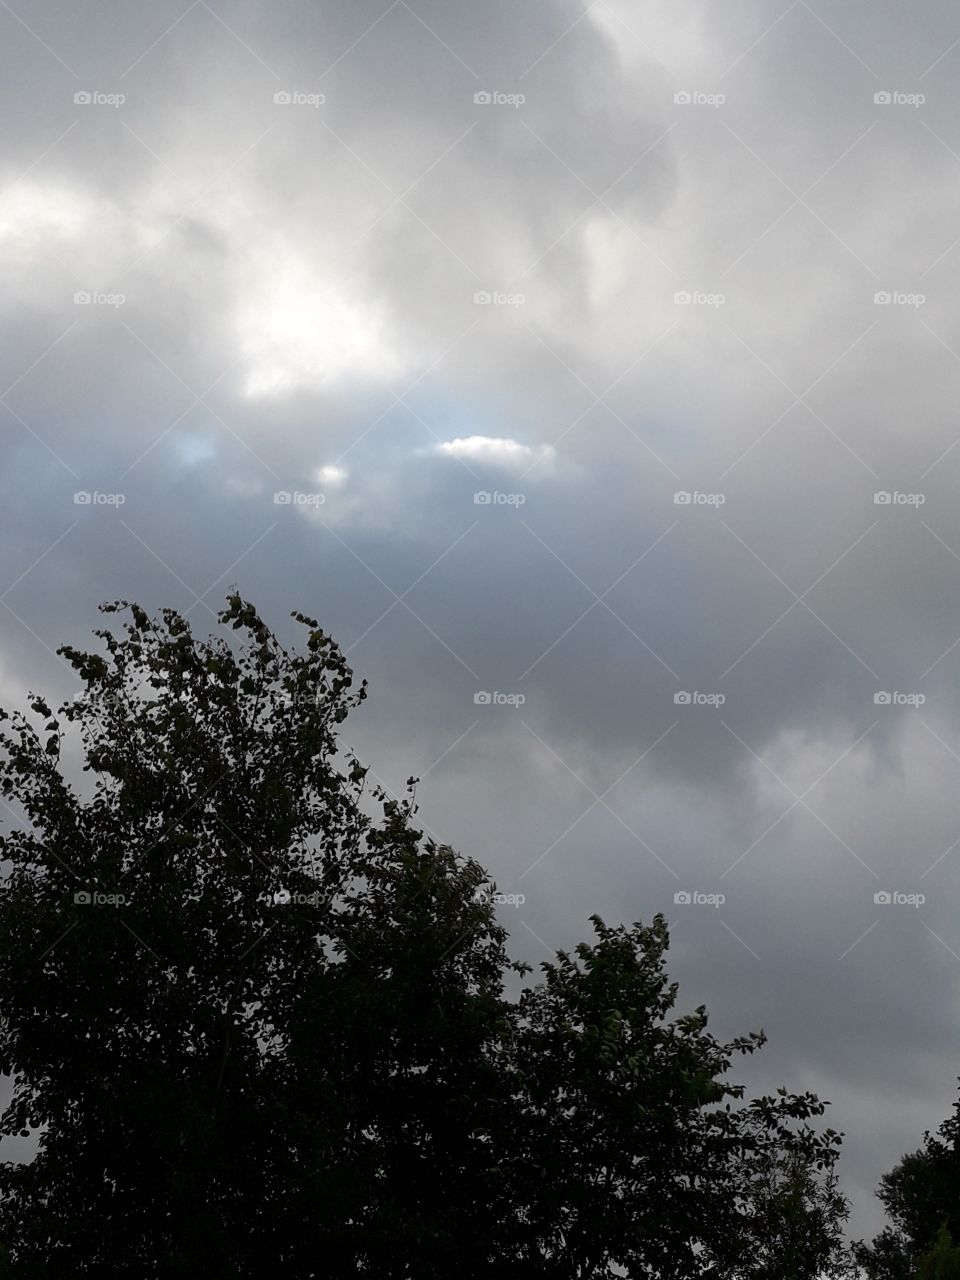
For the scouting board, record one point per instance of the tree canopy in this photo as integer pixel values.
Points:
(259, 1025)
(921, 1195)
(942, 1261)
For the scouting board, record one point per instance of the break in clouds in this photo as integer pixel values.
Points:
(590, 372)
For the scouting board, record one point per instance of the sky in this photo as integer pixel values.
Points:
(590, 371)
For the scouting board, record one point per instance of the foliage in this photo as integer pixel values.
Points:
(942, 1262)
(920, 1195)
(259, 1024)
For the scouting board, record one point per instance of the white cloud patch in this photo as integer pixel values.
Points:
(498, 451)
(297, 331)
(331, 477)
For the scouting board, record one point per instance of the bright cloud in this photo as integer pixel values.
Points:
(496, 451)
(298, 331)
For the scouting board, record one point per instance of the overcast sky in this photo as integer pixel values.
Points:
(486, 290)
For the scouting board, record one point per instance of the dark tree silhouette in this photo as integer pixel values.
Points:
(259, 1025)
(942, 1262)
(921, 1195)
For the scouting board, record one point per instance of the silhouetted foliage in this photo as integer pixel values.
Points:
(921, 1195)
(260, 1028)
(943, 1260)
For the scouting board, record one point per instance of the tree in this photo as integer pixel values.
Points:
(943, 1260)
(632, 1155)
(920, 1196)
(259, 1025)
